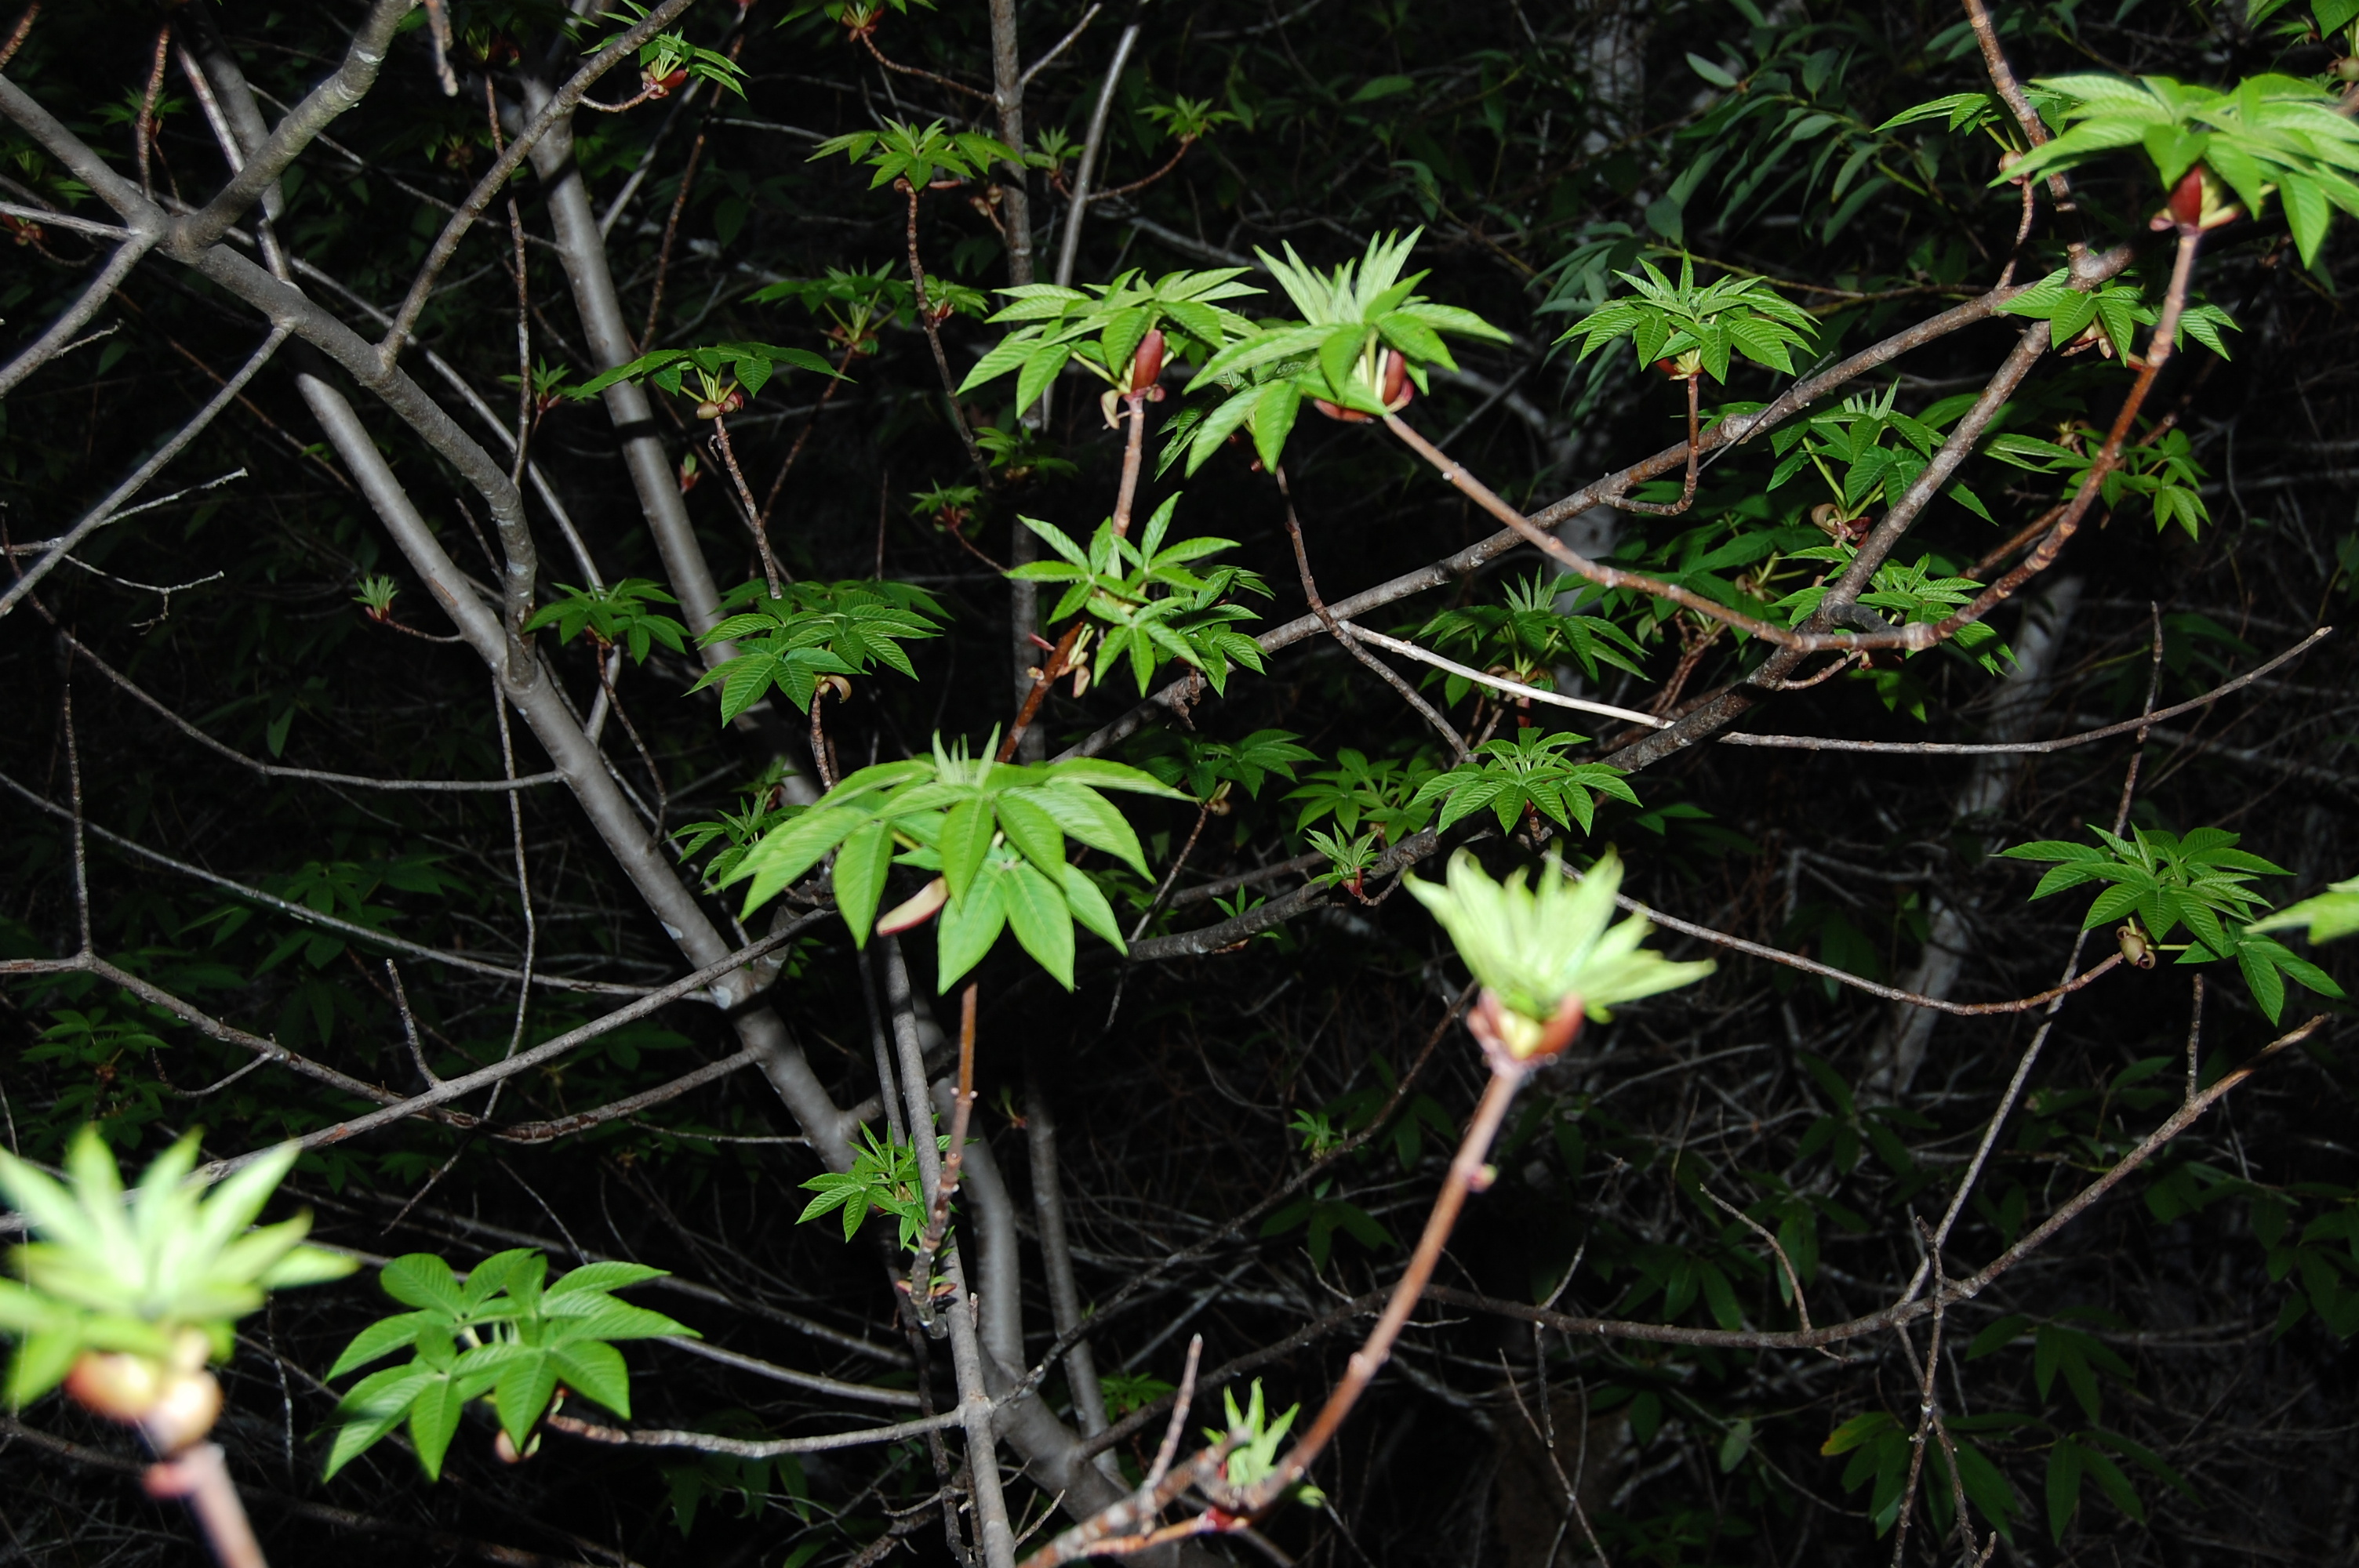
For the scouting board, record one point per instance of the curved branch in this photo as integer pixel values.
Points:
(546, 117)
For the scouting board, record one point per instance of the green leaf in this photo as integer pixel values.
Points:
(1710, 71)
(434, 1418)
(595, 1370)
(965, 839)
(1038, 913)
(385, 1337)
(784, 853)
(861, 863)
(969, 924)
(423, 1280)
(603, 1277)
(1089, 905)
(1033, 829)
(523, 1393)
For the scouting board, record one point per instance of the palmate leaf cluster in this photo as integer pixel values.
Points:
(716, 367)
(1525, 773)
(1698, 328)
(1526, 637)
(2164, 882)
(502, 1332)
(994, 834)
(2268, 133)
(111, 1271)
(2116, 309)
(1150, 603)
(1534, 947)
(817, 629)
(1204, 767)
(856, 303)
(1353, 319)
(667, 52)
(1101, 327)
(616, 615)
(884, 1177)
(2161, 469)
(1379, 791)
(762, 808)
(1915, 593)
(1867, 452)
(919, 154)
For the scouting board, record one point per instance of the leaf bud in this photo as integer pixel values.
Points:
(916, 911)
(189, 1404)
(119, 1387)
(1146, 361)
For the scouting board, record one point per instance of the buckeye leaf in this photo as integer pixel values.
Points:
(1043, 923)
(971, 924)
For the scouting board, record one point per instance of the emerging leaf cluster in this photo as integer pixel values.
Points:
(1527, 773)
(1256, 1435)
(1698, 328)
(919, 156)
(1533, 947)
(817, 629)
(1526, 637)
(1914, 592)
(1153, 606)
(1380, 790)
(1204, 768)
(857, 304)
(993, 832)
(112, 1272)
(665, 53)
(1848, 448)
(2161, 469)
(615, 615)
(2114, 309)
(743, 829)
(1100, 327)
(2267, 133)
(884, 1177)
(1353, 319)
(717, 368)
(501, 1331)
(2164, 882)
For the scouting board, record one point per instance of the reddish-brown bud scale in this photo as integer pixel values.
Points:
(2187, 198)
(1396, 379)
(1147, 361)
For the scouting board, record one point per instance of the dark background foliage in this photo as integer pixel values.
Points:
(2199, 1313)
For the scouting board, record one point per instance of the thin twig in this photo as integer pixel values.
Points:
(921, 1269)
(1348, 639)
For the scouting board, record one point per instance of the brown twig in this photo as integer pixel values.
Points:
(18, 34)
(1132, 449)
(200, 1476)
(2010, 92)
(678, 206)
(1058, 665)
(145, 126)
(934, 338)
(1695, 454)
(753, 518)
(770, 499)
(1139, 185)
(1241, 1507)
(868, 42)
(1348, 638)
(921, 1269)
